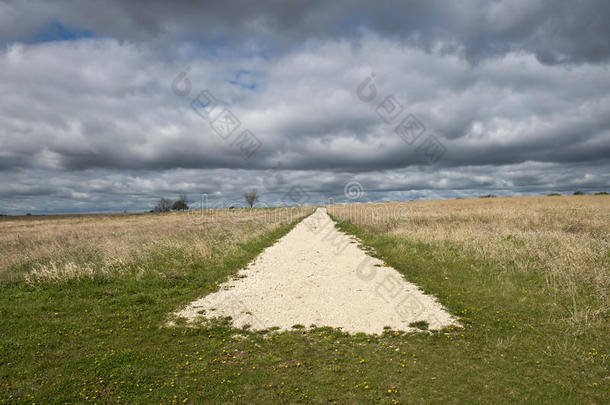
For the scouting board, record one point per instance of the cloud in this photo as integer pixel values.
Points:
(103, 190)
(555, 31)
(62, 110)
(102, 115)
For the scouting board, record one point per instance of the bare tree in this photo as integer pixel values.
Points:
(164, 205)
(251, 197)
(180, 204)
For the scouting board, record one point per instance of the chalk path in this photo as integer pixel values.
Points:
(317, 275)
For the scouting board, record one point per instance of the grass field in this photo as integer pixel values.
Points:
(561, 241)
(530, 278)
(84, 301)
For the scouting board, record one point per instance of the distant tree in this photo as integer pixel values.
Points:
(578, 193)
(251, 197)
(180, 204)
(488, 196)
(164, 205)
(554, 194)
(601, 193)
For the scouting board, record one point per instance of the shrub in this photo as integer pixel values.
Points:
(180, 204)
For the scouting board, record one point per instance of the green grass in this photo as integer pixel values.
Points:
(102, 341)
(516, 344)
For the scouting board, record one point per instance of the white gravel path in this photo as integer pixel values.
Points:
(318, 275)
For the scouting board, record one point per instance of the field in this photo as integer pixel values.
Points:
(529, 276)
(84, 302)
(562, 242)
(61, 248)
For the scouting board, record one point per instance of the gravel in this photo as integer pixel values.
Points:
(317, 275)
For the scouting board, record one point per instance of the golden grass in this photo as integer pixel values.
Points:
(567, 238)
(56, 248)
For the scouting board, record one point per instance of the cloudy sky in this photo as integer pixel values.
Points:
(110, 105)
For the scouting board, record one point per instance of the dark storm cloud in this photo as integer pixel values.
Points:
(516, 93)
(101, 190)
(555, 31)
(307, 115)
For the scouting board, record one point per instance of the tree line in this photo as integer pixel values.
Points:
(166, 205)
(181, 204)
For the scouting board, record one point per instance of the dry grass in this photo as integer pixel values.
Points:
(56, 248)
(567, 238)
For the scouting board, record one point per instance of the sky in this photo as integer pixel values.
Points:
(111, 105)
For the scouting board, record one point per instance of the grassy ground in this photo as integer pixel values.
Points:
(56, 248)
(99, 337)
(528, 276)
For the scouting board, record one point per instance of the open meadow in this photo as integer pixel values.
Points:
(530, 278)
(561, 242)
(325, 202)
(85, 304)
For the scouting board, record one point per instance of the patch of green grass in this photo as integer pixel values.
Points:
(103, 340)
(423, 325)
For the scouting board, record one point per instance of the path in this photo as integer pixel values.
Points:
(318, 275)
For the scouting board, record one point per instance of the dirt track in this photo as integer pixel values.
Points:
(318, 275)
